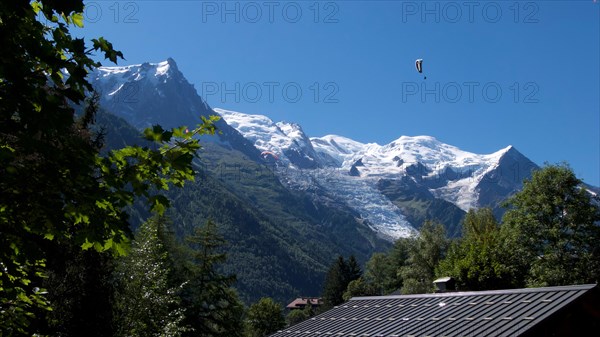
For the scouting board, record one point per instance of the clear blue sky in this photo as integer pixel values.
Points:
(499, 73)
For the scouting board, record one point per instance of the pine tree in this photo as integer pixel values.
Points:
(354, 271)
(212, 305)
(340, 274)
(146, 304)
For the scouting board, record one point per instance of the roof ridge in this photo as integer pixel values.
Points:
(482, 292)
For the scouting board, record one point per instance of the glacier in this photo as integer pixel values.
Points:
(348, 171)
(331, 166)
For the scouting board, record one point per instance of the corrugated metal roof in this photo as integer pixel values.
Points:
(482, 313)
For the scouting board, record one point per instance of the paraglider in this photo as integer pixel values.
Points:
(267, 154)
(419, 66)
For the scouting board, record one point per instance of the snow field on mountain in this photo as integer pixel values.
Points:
(343, 168)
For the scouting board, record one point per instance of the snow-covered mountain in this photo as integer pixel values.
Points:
(424, 158)
(142, 93)
(157, 93)
(289, 204)
(391, 188)
(286, 141)
(352, 172)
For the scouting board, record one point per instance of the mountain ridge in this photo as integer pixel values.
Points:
(280, 241)
(447, 173)
(329, 167)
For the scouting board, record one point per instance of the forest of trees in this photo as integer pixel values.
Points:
(549, 236)
(70, 264)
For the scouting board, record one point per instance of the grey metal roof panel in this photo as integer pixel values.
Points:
(484, 313)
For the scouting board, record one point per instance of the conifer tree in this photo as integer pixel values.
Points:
(212, 305)
(146, 304)
(340, 274)
(82, 294)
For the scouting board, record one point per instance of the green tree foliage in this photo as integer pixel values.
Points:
(340, 274)
(410, 260)
(57, 189)
(397, 258)
(427, 250)
(478, 260)
(264, 318)
(381, 273)
(553, 227)
(212, 305)
(278, 245)
(354, 271)
(146, 304)
(296, 316)
(549, 237)
(360, 287)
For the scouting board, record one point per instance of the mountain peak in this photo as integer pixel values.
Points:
(339, 168)
(137, 72)
(422, 138)
(169, 66)
(171, 61)
(508, 151)
(141, 93)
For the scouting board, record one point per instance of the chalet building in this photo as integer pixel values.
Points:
(552, 311)
(301, 302)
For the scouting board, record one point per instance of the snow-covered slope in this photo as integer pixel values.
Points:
(286, 140)
(157, 93)
(349, 171)
(423, 157)
(117, 77)
(397, 156)
(457, 172)
(143, 93)
(388, 186)
(363, 196)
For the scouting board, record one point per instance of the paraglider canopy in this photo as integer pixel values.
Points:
(267, 154)
(419, 66)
